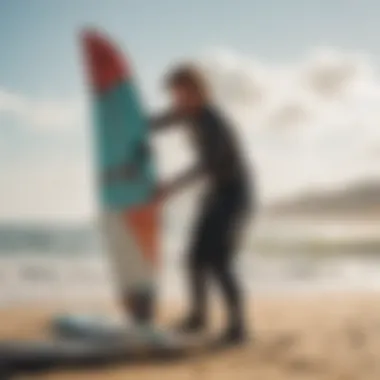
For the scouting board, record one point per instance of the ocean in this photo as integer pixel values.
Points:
(64, 263)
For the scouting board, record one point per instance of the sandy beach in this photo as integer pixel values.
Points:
(327, 337)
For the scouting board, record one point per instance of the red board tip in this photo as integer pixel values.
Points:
(105, 63)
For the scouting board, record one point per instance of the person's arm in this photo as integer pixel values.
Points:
(164, 120)
(214, 158)
(180, 183)
(120, 172)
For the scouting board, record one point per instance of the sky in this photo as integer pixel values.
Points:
(299, 77)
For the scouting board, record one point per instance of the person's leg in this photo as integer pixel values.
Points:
(227, 227)
(196, 268)
(231, 291)
(198, 292)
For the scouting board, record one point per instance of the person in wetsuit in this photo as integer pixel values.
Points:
(224, 205)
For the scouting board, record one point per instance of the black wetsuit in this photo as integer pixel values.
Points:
(223, 211)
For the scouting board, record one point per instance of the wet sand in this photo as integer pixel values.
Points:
(327, 337)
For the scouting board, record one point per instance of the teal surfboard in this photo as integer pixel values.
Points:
(126, 181)
(126, 174)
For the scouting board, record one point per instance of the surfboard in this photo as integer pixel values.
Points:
(125, 185)
(26, 357)
(126, 175)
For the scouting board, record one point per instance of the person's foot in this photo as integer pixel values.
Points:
(191, 325)
(232, 337)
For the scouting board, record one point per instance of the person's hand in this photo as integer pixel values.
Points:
(162, 192)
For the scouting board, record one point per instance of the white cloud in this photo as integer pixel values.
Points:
(310, 124)
(58, 189)
(42, 114)
(45, 185)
